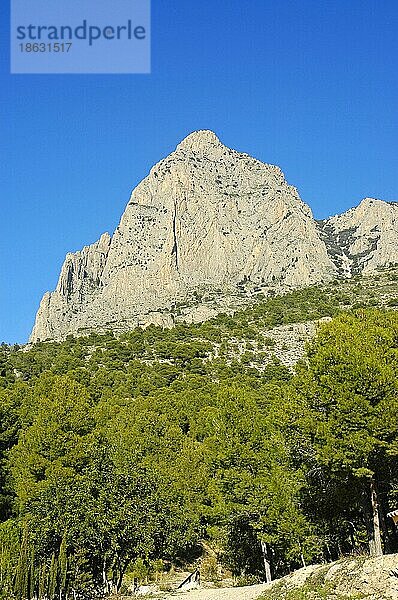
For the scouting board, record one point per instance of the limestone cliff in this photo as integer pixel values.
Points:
(206, 218)
(363, 238)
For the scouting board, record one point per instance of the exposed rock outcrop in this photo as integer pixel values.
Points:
(207, 218)
(363, 238)
(352, 577)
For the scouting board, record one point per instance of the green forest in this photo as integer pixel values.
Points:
(123, 455)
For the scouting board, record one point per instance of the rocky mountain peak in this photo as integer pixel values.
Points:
(209, 221)
(369, 202)
(199, 140)
(370, 208)
(363, 238)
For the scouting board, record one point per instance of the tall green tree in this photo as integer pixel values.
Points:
(253, 484)
(349, 386)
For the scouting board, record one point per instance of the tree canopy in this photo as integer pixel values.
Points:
(120, 454)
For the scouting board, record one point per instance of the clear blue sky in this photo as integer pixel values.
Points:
(310, 85)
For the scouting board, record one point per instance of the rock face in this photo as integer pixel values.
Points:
(363, 238)
(208, 218)
(80, 280)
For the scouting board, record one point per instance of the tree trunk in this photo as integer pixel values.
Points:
(302, 555)
(104, 577)
(121, 569)
(328, 551)
(386, 534)
(375, 547)
(267, 563)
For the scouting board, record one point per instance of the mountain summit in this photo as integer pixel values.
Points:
(209, 219)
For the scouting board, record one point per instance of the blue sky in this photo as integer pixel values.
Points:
(310, 85)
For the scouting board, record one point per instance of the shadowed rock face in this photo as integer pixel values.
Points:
(206, 217)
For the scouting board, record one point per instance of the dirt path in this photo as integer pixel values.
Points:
(249, 592)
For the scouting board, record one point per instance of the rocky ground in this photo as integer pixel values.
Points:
(349, 578)
(249, 592)
(359, 578)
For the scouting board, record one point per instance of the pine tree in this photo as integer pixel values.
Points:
(350, 387)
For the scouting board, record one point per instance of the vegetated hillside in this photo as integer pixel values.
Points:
(120, 455)
(255, 335)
